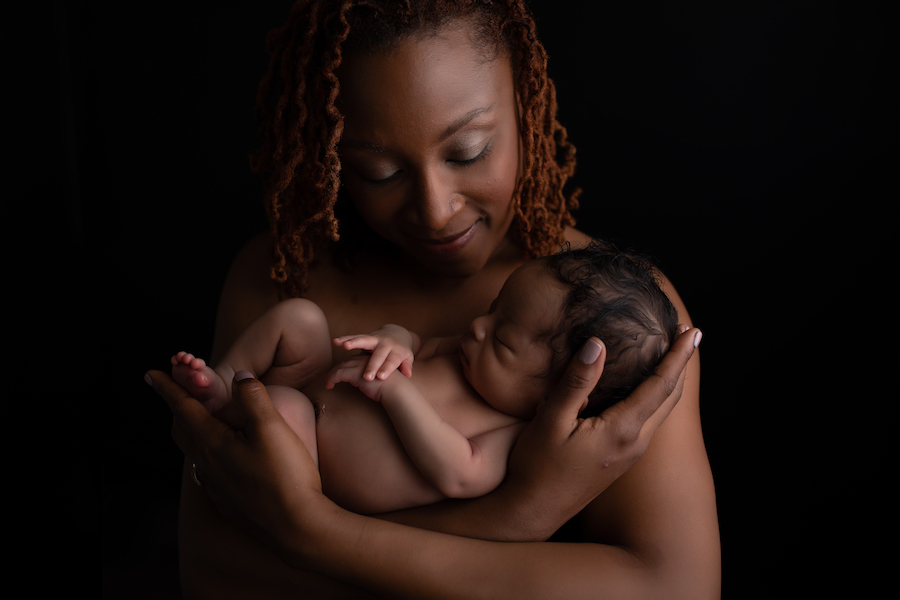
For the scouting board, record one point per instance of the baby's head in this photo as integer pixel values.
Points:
(616, 297)
(548, 308)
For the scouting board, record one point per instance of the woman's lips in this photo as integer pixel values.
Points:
(451, 243)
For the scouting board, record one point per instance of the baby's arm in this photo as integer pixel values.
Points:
(392, 347)
(457, 466)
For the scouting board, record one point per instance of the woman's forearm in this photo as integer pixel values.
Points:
(403, 562)
(658, 522)
(664, 547)
(503, 515)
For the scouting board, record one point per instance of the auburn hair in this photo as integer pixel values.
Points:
(301, 127)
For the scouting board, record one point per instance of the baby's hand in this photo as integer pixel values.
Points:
(352, 371)
(392, 347)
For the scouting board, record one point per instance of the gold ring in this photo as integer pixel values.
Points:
(194, 474)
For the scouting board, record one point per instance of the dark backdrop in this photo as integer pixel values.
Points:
(745, 148)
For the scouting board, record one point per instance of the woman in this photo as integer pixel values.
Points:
(431, 134)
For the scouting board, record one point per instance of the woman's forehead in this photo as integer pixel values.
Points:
(438, 78)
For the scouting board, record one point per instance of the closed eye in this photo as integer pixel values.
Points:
(382, 180)
(501, 342)
(485, 152)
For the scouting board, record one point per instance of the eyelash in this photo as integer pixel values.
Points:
(500, 341)
(485, 152)
(384, 181)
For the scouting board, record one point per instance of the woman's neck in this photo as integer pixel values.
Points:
(397, 266)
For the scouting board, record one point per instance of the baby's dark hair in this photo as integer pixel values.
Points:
(616, 297)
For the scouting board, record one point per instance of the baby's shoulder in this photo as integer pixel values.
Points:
(441, 381)
(439, 373)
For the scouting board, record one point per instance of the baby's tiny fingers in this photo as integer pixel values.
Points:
(391, 364)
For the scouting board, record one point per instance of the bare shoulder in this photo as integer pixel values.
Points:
(669, 290)
(576, 237)
(255, 255)
(664, 507)
(247, 293)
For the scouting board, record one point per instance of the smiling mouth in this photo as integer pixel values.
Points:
(451, 243)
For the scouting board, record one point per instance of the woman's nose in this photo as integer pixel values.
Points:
(436, 201)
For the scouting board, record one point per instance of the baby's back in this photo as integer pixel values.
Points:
(363, 465)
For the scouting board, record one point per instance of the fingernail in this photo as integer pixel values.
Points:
(242, 375)
(589, 352)
(148, 380)
(697, 337)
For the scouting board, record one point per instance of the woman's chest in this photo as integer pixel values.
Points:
(362, 301)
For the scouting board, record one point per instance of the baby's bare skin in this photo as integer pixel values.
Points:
(200, 380)
(363, 464)
(365, 467)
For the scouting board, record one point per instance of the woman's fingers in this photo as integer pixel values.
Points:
(249, 461)
(250, 406)
(580, 377)
(192, 420)
(560, 455)
(652, 401)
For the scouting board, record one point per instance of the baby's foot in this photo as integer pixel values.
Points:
(199, 380)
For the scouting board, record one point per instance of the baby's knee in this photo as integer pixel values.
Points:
(301, 311)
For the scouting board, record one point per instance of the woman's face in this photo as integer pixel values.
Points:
(430, 148)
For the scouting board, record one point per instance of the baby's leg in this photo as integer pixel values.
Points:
(288, 345)
(298, 413)
(200, 381)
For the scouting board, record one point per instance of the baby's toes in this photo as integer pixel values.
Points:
(197, 363)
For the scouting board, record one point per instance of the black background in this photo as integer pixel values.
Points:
(746, 148)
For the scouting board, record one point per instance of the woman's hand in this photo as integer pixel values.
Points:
(255, 469)
(562, 462)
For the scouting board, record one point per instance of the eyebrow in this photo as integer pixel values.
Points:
(465, 120)
(450, 130)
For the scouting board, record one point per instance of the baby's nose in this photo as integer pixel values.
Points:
(478, 328)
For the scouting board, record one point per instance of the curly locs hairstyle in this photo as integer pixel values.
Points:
(301, 127)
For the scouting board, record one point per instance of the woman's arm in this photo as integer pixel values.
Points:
(287, 508)
(662, 510)
(216, 559)
(667, 536)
